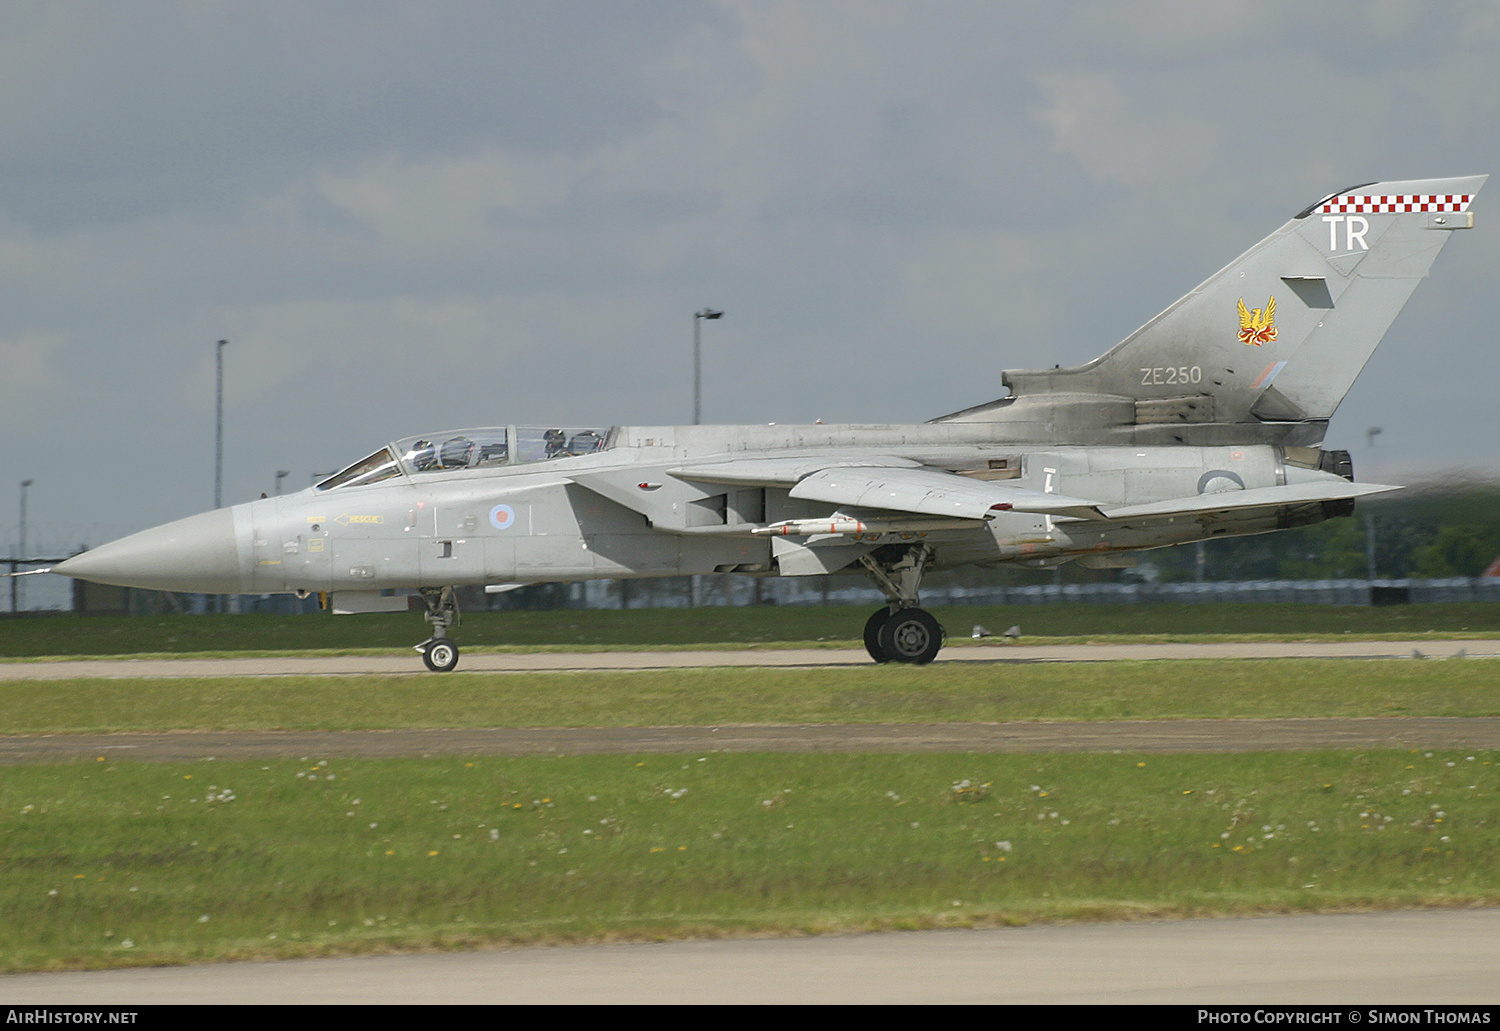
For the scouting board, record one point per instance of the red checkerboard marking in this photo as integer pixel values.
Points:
(1394, 203)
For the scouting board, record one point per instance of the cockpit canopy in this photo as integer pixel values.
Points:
(471, 449)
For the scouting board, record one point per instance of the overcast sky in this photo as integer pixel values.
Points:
(408, 217)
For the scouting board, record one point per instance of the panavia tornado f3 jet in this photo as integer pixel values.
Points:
(1206, 422)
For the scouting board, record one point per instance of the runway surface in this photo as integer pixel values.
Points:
(1355, 959)
(1365, 959)
(532, 662)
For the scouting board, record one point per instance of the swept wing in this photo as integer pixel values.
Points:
(912, 489)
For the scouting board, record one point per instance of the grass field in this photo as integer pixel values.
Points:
(1222, 688)
(108, 862)
(119, 864)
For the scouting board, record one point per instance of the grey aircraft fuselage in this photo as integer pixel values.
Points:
(1206, 422)
(629, 512)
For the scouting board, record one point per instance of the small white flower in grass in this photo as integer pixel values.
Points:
(203, 919)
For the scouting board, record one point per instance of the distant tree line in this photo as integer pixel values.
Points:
(1429, 534)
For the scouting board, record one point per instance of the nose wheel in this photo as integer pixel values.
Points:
(440, 654)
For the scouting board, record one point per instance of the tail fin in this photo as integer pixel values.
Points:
(1281, 333)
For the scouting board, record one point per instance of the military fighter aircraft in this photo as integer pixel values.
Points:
(1206, 422)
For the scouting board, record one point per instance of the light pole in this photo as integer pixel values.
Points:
(698, 316)
(281, 474)
(1370, 435)
(15, 581)
(219, 424)
(696, 593)
(219, 457)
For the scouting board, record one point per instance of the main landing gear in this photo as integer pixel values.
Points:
(438, 651)
(901, 632)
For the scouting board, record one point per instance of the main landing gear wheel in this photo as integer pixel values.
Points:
(872, 635)
(901, 632)
(906, 635)
(910, 635)
(440, 655)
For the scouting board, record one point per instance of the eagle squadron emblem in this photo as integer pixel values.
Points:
(1258, 326)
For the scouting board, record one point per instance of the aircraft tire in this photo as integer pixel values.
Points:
(872, 635)
(440, 656)
(911, 635)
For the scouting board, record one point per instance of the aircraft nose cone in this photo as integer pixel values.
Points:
(197, 554)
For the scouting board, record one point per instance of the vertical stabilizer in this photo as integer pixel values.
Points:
(1280, 334)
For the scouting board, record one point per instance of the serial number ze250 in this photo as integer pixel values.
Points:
(1170, 374)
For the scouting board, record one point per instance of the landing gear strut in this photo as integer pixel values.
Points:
(438, 651)
(901, 632)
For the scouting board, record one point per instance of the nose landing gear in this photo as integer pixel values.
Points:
(901, 632)
(439, 653)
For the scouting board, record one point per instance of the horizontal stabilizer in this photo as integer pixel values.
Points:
(1257, 497)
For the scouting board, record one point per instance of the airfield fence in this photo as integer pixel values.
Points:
(603, 594)
(722, 590)
(1295, 592)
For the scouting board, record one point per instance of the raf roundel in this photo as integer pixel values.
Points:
(502, 517)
